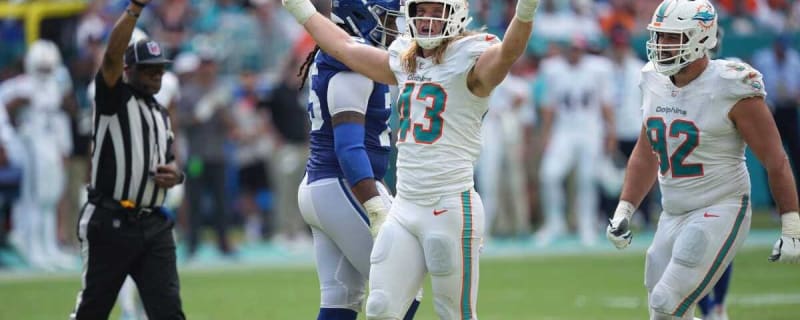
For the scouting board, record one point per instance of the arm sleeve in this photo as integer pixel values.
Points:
(349, 91)
(348, 140)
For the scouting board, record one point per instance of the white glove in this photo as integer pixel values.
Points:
(618, 230)
(377, 213)
(302, 10)
(526, 9)
(787, 248)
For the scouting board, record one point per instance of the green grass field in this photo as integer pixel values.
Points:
(605, 285)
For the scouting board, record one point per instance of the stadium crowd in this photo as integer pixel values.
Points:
(242, 127)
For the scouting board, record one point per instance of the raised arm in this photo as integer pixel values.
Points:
(364, 59)
(112, 65)
(494, 64)
(757, 127)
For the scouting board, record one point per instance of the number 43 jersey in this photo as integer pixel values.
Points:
(438, 138)
(700, 152)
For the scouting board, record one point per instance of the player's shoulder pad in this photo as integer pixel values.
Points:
(648, 67)
(650, 77)
(326, 61)
(399, 45)
(472, 45)
(740, 79)
(396, 50)
(463, 53)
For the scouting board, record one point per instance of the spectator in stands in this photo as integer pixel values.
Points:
(287, 109)
(204, 109)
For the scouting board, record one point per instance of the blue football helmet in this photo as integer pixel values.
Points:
(372, 20)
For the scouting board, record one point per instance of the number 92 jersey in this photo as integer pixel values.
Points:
(335, 88)
(700, 152)
(440, 120)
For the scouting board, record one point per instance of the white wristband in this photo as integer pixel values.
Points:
(624, 209)
(302, 10)
(526, 9)
(790, 224)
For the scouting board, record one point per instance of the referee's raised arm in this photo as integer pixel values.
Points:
(113, 65)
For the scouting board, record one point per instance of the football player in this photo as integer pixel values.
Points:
(578, 125)
(446, 74)
(699, 115)
(342, 197)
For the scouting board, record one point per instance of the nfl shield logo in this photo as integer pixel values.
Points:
(153, 48)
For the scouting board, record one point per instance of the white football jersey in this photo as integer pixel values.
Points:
(439, 137)
(578, 92)
(700, 152)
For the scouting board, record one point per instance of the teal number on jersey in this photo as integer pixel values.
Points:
(657, 133)
(435, 97)
(404, 108)
(681, 169)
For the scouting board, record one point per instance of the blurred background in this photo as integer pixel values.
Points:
(241, 126)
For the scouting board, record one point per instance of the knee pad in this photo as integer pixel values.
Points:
(383, 244)
(378, 305)
(662, 302)
(690, 247)
(438, 257)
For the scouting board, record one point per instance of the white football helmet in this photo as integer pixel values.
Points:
(455, 18)
(694, 20)
(42, 58)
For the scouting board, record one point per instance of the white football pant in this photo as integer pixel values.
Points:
(443, 239)
(690, 252)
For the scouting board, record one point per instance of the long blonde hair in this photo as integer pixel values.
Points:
(409, 58)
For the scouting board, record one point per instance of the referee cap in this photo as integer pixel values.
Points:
(145, 52)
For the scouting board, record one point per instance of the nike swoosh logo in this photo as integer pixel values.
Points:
(708, 215)
(438, 212)
(489, 37)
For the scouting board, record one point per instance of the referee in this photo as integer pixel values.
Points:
(122, 229)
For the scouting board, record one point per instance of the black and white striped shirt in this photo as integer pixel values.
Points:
(132, 135)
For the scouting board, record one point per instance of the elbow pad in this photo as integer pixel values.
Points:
(349, 146)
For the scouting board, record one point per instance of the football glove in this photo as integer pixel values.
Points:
(377, 213)
(302, 10)
(526, 9)
(618, 230)
(787, 248)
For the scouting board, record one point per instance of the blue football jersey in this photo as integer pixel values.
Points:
(322, 161)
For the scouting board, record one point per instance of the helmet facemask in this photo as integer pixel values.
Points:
(681, 32)
(429, 31)
(388, 25)
(371, 20)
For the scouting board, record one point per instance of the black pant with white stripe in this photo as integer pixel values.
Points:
(116, 243)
